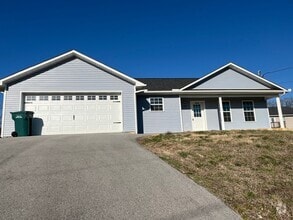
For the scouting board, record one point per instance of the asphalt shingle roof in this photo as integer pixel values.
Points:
(159, 84)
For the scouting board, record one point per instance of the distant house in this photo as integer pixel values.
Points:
(73, 93)
(287, 117)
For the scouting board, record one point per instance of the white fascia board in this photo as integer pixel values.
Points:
(234, 66)
(67, 55)
(140, 91)
(257, 77)
(37, 67)
(206, 76)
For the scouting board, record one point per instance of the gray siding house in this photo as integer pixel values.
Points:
(73, 93)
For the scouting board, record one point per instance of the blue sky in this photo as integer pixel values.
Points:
(152, 38)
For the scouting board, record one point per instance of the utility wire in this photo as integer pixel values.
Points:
(274, 71)
(286, 81)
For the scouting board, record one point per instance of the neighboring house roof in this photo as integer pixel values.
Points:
(63, 57)
(161, 84)
(286, 111)
(238, 69)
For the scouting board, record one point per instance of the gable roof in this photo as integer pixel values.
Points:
(161, 84)
(237, 69)
(285, 110)
(63, 57)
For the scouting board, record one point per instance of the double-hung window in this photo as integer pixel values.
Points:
(227, 111)
(156, 104)
(248, 110)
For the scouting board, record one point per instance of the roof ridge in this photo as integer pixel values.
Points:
(166, 77)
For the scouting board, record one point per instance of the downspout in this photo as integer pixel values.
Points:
(279, 108)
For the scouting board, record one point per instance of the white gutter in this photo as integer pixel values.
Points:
(211, 92)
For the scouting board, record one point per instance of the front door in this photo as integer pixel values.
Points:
(198, 117)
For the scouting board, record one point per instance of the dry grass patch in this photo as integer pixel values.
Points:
(251, 171)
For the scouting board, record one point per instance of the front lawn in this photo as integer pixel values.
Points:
(251, 171)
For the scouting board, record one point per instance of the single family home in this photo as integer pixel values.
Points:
(73, 93)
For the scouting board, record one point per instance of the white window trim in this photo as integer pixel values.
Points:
(67, 99)
(22, 95)
(103, 99)
(113, 96)
(91, 97)
(244, 111)
(56, 99)
(44, 100)
(163, 105)
(79, 99)
(26, 98)
(228, 111)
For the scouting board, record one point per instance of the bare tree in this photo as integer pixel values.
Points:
(288, 102)
(271, 103)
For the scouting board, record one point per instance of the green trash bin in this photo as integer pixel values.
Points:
(23, 123)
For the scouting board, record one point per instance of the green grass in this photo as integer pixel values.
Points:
(251, 170)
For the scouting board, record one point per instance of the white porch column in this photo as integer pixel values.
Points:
(280, 113)
(222, 123)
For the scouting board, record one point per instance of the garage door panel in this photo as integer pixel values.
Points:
(55, 107)
(30, 108)
(116, 126)
(104, 107)
(79, 107)
(91, 108)
(68, 129)
(67, 108)
(54, 129)
(81, 129)
(67, 118)
(102, 118)
(91, 118)
(43, 108)
(77, 116)
(55, 118)
(44, 118)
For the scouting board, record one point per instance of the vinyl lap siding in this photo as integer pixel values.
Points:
(238, 121)
(261, 114)
(159, 121)
(230, 79)
(74, 75)
(211, 113)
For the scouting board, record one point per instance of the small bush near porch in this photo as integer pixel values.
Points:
(251, 171)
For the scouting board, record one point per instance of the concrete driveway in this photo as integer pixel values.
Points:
(96, 176)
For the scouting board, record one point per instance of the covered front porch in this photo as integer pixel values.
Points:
(225, 113)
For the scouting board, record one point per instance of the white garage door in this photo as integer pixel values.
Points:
(74, 114)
